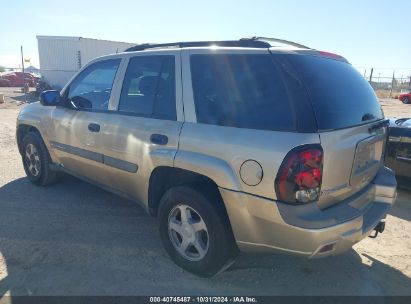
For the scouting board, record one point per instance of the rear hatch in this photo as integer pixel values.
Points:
(349, 120)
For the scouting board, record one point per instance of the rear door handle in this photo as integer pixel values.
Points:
(93, 127)
(159, 139)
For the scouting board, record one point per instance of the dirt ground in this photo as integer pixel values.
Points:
(75, 239)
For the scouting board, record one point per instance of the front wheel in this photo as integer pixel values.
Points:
(195, 232)
(406, 100)
(36, 161)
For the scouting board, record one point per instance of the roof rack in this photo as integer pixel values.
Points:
(281, 41)
(228, 43)
(252, 42)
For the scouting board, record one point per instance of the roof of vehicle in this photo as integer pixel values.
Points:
(252, 42)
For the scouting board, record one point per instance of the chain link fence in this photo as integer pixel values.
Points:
(386, 82)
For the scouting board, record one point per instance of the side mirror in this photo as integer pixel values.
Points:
(50, 98)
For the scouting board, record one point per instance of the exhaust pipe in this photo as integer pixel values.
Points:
(378, 229)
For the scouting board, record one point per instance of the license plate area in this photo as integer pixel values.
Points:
(367, 160)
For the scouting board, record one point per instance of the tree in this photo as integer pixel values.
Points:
(2, 69)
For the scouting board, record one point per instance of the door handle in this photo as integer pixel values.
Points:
(93, 127)
(159, 139)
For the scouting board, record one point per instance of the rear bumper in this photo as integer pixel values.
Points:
(264, 225)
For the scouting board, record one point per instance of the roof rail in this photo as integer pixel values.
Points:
(282, 41)
(252, 43)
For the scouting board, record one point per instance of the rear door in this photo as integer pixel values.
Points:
(239, 119)
(143, 131)
(350, 123)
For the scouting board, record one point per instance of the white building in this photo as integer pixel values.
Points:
(60, 57)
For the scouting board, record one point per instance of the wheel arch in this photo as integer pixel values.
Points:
(163, 178)
(22, 130)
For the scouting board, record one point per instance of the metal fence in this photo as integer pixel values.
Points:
(388, 82)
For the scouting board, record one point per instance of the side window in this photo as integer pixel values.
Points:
(243, 91)
(92, 88)
(149, 87)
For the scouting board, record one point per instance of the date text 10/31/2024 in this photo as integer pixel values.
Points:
(203, 299)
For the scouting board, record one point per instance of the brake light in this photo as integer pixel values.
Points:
(328, 54)
(300, 175)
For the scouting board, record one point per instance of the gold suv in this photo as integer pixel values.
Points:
(255, 145)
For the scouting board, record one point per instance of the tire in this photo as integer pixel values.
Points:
(218, 249)
(406, 100)
(36, 161)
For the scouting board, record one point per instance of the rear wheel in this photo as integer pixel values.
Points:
(195, 232)
(406, 100)
(36, 161)
(188, 233)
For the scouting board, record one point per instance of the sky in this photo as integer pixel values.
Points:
(369, 33)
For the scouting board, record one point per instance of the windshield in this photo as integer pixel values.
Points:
(340, 96)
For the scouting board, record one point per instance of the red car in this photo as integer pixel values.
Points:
(18, 79)
(405, 97)
(4, 82)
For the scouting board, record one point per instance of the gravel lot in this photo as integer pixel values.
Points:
(75, 239)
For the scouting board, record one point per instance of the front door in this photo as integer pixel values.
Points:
(78, 125)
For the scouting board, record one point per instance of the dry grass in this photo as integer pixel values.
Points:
(386, 94)
(395, 108)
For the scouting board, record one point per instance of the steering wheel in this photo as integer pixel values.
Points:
(78, 102)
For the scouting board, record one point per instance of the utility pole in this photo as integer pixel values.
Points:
(392, 82)
(22, 66)
(22, 58)
(372, 70)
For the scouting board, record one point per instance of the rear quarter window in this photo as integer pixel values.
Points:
(243, 91)
(340, 96)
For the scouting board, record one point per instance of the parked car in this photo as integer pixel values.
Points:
(18, 79)
(252, 145)
(398, 152)
(4, 82)
(405, 97)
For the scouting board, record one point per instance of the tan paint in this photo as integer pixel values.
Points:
(216, 152)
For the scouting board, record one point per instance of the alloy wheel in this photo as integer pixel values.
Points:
(188, 233)
(32, 159)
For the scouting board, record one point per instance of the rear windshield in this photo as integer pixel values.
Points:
(243, 91)
(340, 96)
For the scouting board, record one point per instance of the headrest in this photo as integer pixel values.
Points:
(148, 85)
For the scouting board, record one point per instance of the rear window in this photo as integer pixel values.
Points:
(244, 91)
(340, 96)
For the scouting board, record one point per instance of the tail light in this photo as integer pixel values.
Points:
(300, 175)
